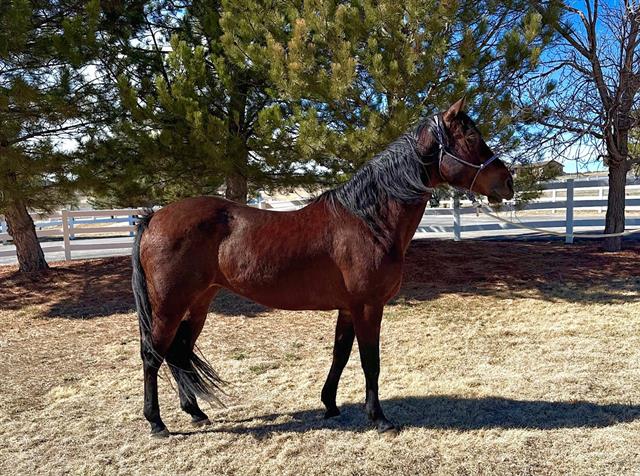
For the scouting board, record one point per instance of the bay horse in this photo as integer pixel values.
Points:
(345, 251)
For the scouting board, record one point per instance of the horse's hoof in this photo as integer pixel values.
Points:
(333, 412)
(387, 428)
(203, 422)
(390, 433)
(164, 433)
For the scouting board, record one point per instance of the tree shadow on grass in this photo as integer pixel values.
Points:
(90, 289)
(441, 412)
(79, 289)
(548, 271)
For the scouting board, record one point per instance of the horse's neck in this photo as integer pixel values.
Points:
(403, 221)
(404, 218)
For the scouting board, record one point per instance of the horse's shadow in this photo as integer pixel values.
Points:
(441, 412)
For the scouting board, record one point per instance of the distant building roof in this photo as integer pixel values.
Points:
(547, 164)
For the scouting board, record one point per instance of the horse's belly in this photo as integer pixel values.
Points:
(296, 285)
(286, 294)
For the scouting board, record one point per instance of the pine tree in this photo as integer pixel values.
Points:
(47, 96)
(38, 97)
(275, 94)
(381, 65)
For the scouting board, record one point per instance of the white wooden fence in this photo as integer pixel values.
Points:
(563, 196)
(61, 232)
(64, 227)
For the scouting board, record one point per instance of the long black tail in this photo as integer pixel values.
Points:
(193, 374)
(139, 285)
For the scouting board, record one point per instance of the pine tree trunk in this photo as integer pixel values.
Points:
(236, 179)
(615, 205)
(23, 232)
(236, 187)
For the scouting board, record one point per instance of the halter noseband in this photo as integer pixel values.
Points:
(441, 138)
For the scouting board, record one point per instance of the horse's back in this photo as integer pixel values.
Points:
(283, 259)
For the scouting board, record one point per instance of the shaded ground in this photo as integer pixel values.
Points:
(497, 358)
(101, 287)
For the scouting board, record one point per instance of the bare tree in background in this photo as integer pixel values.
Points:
(587, 90)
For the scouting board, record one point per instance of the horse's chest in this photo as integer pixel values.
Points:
(374, 280)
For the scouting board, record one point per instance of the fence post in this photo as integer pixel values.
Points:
(456, 218)
(3, 229)
(569, 215)
(131, 223)
(65, 235)
(601, 197)
(72, 236)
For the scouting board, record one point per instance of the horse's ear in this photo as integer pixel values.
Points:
(454, 110)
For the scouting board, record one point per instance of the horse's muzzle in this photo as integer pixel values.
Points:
(502, 192)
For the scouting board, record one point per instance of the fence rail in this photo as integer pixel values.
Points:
(65, 231)
(69, 224)
(578, 194)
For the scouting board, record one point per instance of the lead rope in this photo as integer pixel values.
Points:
(479, 207)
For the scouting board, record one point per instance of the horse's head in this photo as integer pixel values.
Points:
(465, 160)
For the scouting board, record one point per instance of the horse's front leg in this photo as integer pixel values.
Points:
(341, 352)
(367, 327)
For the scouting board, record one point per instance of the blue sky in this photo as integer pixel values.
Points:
(584, 149)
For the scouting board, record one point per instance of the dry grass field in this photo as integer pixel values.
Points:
(497, 358)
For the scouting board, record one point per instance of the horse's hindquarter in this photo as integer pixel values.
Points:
(282, 259)
(178, 251)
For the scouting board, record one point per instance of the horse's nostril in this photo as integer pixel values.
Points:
(510, 184)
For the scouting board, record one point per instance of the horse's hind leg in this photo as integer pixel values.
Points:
(152, 358)
(181, 352)
(151, 364)
(341, 352)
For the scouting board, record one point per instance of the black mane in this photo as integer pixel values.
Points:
(398, 173)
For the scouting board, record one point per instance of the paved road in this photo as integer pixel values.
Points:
(441, 223)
